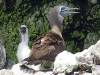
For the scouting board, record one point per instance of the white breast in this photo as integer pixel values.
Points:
(23, 51)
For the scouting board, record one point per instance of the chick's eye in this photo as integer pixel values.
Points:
(62, 9)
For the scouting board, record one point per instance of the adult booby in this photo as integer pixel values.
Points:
(47, 47)
(23, 48)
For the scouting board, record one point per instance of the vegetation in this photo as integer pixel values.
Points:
(80, 31)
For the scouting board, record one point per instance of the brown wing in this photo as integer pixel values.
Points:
(47, 47)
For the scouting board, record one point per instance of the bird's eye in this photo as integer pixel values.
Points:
(23, 30)
(62, 9)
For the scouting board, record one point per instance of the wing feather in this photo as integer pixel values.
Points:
(46, 47)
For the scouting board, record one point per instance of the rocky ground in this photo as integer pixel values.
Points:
(66, 63)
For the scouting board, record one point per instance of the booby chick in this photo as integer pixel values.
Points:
(47, 47)
(23, 48)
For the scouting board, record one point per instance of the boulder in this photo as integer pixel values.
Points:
(84, 57)
(96, 70)
(90, 55)
(65, 62)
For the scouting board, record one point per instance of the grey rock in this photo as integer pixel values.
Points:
(65, 62)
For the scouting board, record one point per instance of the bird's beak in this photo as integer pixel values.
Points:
(71, 10)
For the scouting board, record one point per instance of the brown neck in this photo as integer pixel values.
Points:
(56, 30)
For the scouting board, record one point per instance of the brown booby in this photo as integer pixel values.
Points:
(48, 46)
(23, 50)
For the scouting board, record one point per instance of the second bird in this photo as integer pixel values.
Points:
(48, 46)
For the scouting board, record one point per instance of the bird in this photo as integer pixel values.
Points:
(46, 47)
(23, 50)
(2, 55)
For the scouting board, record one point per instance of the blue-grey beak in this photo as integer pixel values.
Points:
(71, 10)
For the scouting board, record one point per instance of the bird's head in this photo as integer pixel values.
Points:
(65, 11)
(56, 14)
(23, 29)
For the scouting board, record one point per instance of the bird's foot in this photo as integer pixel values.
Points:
(25, 68)
(24, 62)
(54, 73)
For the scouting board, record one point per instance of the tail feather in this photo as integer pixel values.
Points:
(27, 69)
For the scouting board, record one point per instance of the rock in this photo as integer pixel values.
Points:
(86, 73)
(17, 71)
(2, 55)
(65, 62)
(96, 52)
(6, 72)
(44, 73)
(91, 56)
(61, 74)
(96, 70)
(87, 55)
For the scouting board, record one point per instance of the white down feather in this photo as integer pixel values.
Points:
(23, 50)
